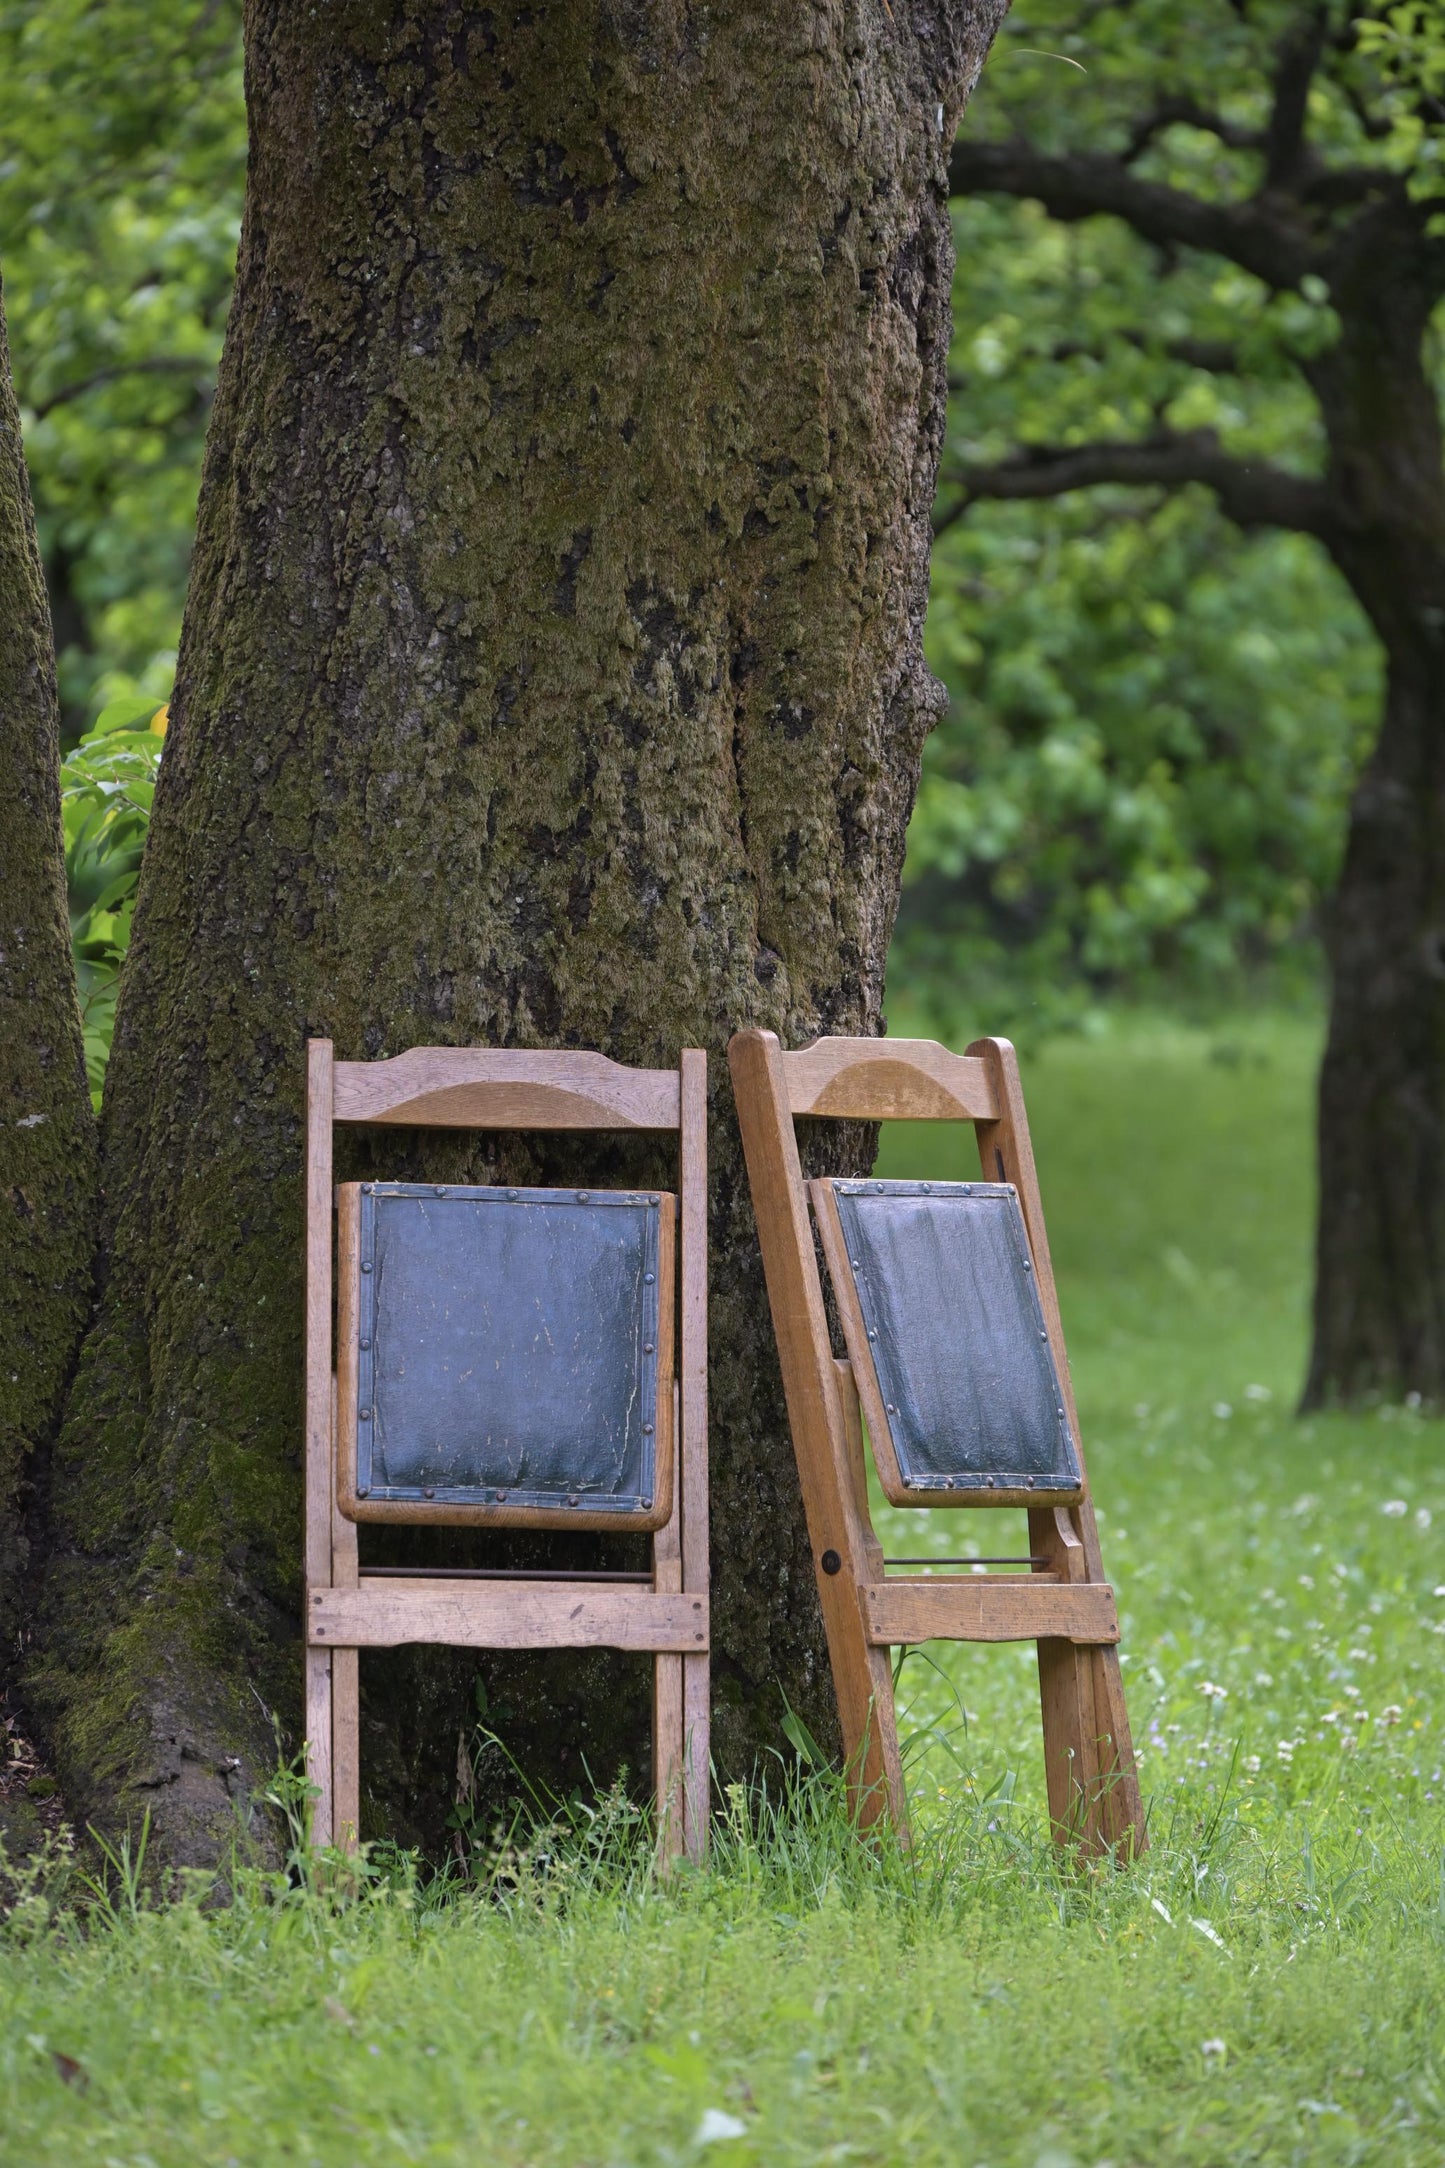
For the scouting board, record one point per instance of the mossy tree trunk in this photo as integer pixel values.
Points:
(551, 676)
(47, 1132)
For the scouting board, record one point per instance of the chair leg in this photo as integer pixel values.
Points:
(1071, 1754)
(669, 1773)
(871, 1738)
(696, 1755)
(1121, 1809)
(346, 1745)
(319, 1766)
(870, 1730)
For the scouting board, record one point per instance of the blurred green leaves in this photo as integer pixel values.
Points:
(1152, 732)
(122, 155)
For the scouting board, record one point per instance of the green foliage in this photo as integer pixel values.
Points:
(107, 788)
(1262, 1987)
(122, 149)
(1153, 729)
(1154, 722)
(1407, 43)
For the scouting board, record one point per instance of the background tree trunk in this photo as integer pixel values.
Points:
(47, 1132)
(552, 675)
(1379, 1313)
(1379, 1309)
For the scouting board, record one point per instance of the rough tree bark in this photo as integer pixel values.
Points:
(47, 1132)
(1379, 509)
(551, 675)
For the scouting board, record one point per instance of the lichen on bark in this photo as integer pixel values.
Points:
(552, 675)
(47, 1133)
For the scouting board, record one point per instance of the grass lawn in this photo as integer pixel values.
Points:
(1264, 1986)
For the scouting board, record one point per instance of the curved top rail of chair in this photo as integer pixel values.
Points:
(466, 1087)
(881, 1080)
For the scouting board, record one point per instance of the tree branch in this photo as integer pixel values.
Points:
(1286, 154)
(1215, 355)
(1252, 492)
(1086, 184)
(1188, 113)
(153, 365)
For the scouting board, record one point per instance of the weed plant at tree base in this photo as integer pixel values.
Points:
(107, 788)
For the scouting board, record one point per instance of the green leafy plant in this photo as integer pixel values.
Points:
(107, 788)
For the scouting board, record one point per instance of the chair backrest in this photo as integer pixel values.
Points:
(437, 1237)
(887, 1080)
(892, 1080)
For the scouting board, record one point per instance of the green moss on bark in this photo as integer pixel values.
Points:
(47, 1134)
(552, 674)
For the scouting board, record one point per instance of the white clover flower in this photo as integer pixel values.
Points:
(1252, 1764)
(1422, 1516)
(1211, 1692)
(717, 2125)
(1394, 1509)
(1264, 1678)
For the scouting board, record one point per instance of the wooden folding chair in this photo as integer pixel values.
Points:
(449, 1298)
(929, 1357)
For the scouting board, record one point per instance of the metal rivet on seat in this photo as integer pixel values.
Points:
(365, 1414)
(649, 1277)
(584, 1196)
(647, 1430)
(428, 1491)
